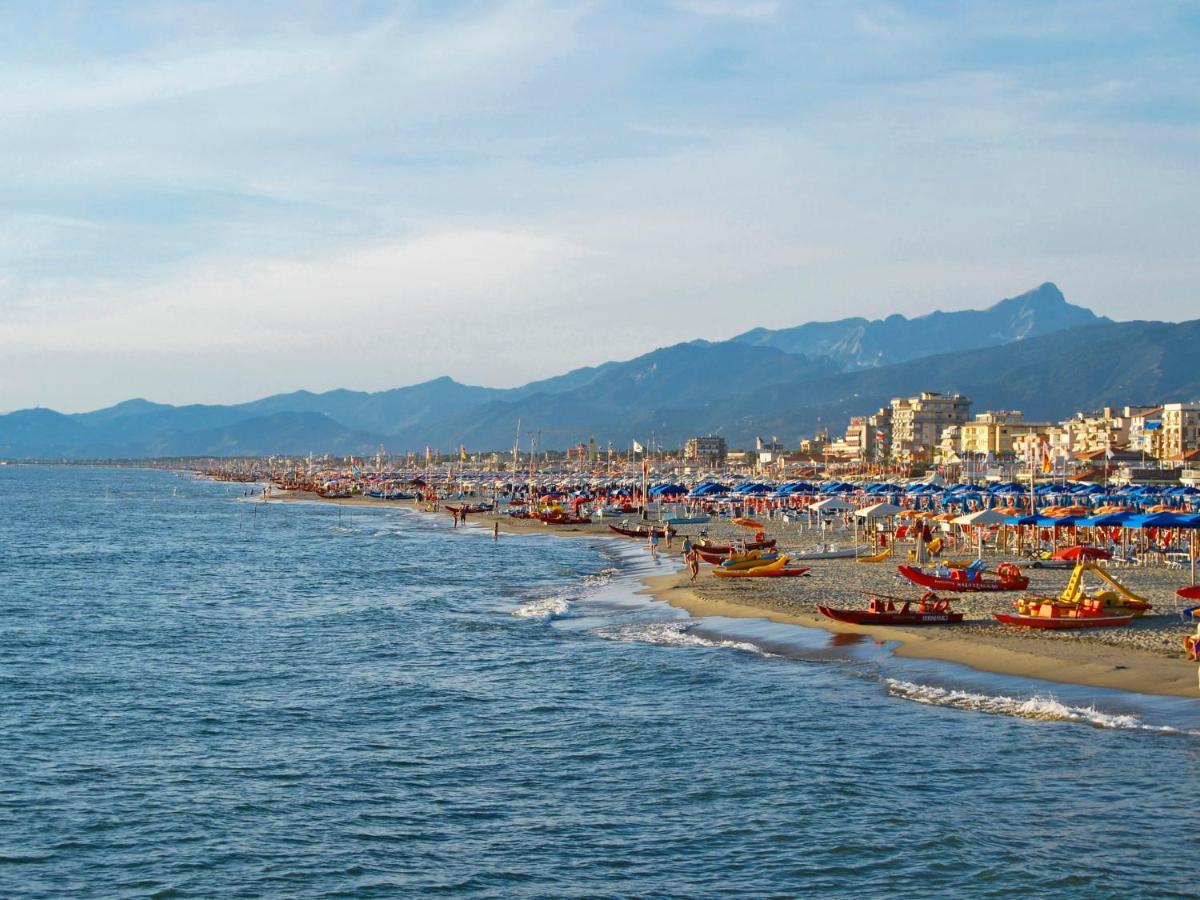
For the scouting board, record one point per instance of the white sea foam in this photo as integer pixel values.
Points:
(670, 634)
(599, 579)
(544, 608)
(1044, 708)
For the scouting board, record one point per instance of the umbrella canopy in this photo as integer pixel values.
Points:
(879, 511)
(982, 517)
(831, 504)
(1082, 552)
(1161, 520)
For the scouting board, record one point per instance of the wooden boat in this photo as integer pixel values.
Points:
(689, 520)
(642, 531)
(1007, 578)
(929, 610)
(1189, 593)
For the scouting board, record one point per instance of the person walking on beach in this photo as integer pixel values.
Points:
(667, 532)
(654, 543)
(454, 512)
(687, 544)
(693, 561)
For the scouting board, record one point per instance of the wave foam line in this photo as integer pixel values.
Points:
(1046, 709)
(544, 609)
(670, 634)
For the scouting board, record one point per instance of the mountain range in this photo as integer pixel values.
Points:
(1035, 352)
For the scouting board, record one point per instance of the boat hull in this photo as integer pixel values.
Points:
(848, 553)
(725, 548)
(642, 532)
(938, 583)
(1062, 622)
(764, 572)
(866, 617)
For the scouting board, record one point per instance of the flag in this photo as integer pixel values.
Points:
(638, 448)
(462, 451)
(427, 453)
(1108, 453)
(1047, 461)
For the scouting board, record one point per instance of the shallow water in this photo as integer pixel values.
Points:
(205, 697)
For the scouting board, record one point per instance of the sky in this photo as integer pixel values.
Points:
(212, 202)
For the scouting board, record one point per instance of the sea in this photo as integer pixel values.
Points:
(207, 695)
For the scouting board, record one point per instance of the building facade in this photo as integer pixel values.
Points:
(917, 422)
(1180, 431)
(710, 448)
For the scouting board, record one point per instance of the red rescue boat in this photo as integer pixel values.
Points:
(1007, 578)
(929, 610)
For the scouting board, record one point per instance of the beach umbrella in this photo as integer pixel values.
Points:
(1082, 552)
(979, 521)
(878, 511)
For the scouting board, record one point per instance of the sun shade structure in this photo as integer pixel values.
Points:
(831, 504)
(878, 511)
(983, 517)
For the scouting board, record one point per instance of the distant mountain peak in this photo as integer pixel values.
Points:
(856, 343)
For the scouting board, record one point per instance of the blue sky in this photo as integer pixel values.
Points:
(209, 202)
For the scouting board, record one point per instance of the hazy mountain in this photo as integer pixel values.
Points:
(736, 388)
(858, 343)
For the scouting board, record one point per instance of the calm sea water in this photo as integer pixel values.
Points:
(203, 697)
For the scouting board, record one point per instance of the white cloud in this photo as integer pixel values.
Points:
(330, 202)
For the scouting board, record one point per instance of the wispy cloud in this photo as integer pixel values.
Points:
(292, 194)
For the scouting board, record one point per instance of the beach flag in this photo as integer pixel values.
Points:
(427, 454)
(638, 448)
(1047, 461)
(462, 451)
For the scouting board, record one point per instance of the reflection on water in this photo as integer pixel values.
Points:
(846, 638)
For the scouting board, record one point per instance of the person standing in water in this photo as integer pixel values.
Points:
(496, 531)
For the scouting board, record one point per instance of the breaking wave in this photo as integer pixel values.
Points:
(670, 634)
(1046, 709)
(544, 609)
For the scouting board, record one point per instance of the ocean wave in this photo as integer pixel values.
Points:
(1045, 709)
(599, 579)
(670, 634)
(544, 608)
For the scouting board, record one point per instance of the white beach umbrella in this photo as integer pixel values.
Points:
(979, 520)
(831, 504)
(878, 511)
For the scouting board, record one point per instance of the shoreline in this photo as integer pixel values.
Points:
(1053, 657)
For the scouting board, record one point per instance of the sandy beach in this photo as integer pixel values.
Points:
(1145, 657)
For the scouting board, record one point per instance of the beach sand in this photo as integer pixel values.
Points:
(1145, 657)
